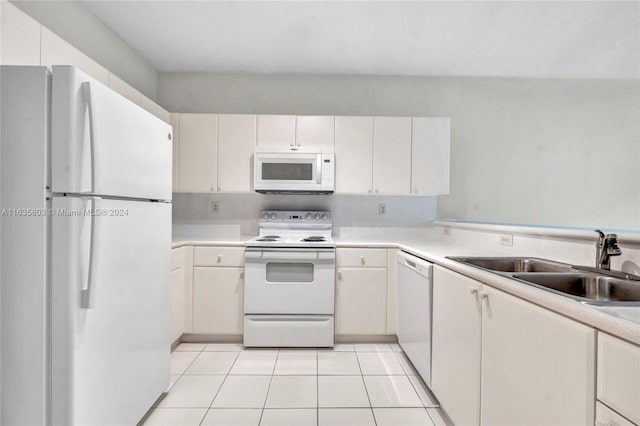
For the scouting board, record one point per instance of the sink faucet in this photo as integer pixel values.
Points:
(606, 246)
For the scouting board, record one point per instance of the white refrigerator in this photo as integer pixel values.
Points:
(85, 240)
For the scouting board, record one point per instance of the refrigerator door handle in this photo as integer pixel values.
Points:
(88, 293)
(86, 93)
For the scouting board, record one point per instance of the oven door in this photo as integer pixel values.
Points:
(287, 172)
(289, 281)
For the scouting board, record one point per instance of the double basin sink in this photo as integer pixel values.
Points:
(586, 285)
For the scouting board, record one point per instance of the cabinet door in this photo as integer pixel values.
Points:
(538, 367)
(236, 144)
(361, 301)
(177, 304)
(430, 155)
(217, 300)
(315, 130)
(391, 155)
(354, 155)
(456, 345)
(198, 152)
(19, 37)
(276, 130)
(619, 375)
(175, 122)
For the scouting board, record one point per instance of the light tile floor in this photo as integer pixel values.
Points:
(349, 385)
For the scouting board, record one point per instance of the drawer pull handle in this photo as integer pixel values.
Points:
(362, 261)
(219, 258)
(339, 275)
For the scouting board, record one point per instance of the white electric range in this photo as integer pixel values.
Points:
(290, 281)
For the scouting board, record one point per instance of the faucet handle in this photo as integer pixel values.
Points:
(612, 245)
(600, 233)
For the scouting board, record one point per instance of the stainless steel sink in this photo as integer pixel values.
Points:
(514, 264)
(588, 288)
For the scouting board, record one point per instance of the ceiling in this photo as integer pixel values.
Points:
(553, 39)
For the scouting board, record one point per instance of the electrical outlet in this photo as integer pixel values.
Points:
(506, 240)
(446, 231)
(382, 208)
(215, 207)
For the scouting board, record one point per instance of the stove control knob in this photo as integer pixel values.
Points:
(325, 217)
(317, 216)
(273, 216)
(309, 216)
(265, 216)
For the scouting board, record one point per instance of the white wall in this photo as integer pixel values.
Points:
(238, 213)
(551, 152)
(72, 21)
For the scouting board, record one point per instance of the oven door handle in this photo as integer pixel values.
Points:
(289, 255)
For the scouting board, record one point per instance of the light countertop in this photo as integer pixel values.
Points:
(623, 322)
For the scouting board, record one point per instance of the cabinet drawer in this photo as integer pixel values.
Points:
(605, 416)
(355, 257)
(619, 376)
(218, 256)
(177, 258)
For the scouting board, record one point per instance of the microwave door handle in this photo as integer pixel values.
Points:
(319, 169)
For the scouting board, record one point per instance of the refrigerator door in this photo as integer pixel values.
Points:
(104, 144)
(110, 312)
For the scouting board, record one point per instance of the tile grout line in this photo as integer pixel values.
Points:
(223, 381)
(365, 387)
(264, 404)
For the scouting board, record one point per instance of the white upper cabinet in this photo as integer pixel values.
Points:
(56, 51)
(315, 130)
(19, 37)
(276, 130)
(236, 144)
(391, 155)
(430, 155)
(198, 145)
(354, 154)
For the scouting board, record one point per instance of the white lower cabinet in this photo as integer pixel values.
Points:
(361, 301)
(216, 299)
(177, 304)
(181, 288)
(619, 377)
(538, 367)
(499, 360)
(456, 345)
(605, 416)
(361, 291)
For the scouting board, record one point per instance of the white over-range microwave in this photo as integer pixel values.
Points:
(307, 170)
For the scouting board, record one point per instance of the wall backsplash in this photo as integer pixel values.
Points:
(240, 211)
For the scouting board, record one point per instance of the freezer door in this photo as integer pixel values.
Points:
(110, 312)
(104, 144)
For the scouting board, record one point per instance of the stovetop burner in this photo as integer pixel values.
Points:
(314, 238)
(293, 229)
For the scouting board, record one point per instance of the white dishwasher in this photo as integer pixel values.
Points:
(414, 311)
